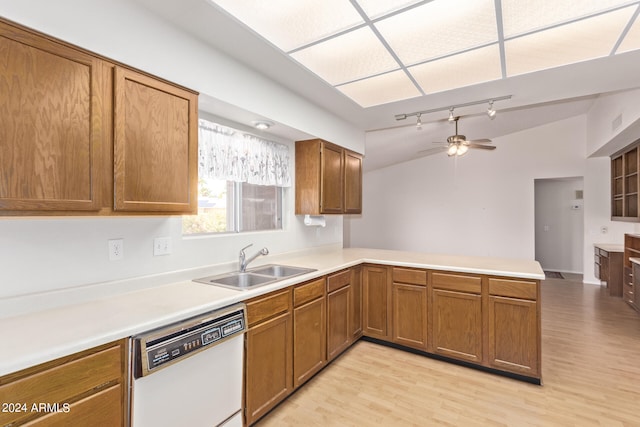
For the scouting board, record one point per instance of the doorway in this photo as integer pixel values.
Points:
(559, 225)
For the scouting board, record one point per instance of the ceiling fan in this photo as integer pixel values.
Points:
(458, 145)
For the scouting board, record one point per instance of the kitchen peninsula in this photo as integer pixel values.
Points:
(479, 311)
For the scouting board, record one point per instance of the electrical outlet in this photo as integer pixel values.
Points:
(161, 246)
(116, 249)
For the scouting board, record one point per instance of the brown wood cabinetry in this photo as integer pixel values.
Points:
(328, 179)
(375, 301)
(625, 184)
(338, 313)
(514, 326)
(631, 280)
(51, 124)
(81, 134)
(456, 313)
(309, 330)
(409, 296)
(269, 353)
(155, 145)
(88, 389)
(608, 269)
(356, 303)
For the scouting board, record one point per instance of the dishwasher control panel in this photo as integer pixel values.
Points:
(164, 346)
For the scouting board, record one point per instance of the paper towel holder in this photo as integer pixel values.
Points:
(315, 221)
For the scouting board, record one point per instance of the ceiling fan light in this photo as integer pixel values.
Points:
(462, 150)
(452, 150)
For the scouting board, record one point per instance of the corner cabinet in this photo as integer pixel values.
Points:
(624, 185)
(328, 179)
(155, 145)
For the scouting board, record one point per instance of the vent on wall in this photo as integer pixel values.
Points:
(579, 194)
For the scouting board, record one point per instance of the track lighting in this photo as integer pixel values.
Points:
(419, 123)
(490, 111)
(451, 118)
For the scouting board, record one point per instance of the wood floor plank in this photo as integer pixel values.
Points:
(590, 371)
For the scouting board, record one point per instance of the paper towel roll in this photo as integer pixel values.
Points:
(315, 221)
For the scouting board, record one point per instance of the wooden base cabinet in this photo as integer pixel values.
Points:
(356, 303)
(409, 296)
(514, 326)
(309, 330)
(269, 353)
(376, 308)
(83, 389)
(338, 313)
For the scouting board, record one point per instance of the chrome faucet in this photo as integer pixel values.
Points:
(243, 257)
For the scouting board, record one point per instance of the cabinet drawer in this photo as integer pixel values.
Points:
(338, 280)
(513, 288)
(64, 382)
(457, 282)
(266, 307)
(308, 292)
(409, 275)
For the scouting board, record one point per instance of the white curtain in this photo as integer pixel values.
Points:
(224, 153)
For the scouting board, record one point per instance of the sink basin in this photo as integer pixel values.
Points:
(280, 271)
(255, 277)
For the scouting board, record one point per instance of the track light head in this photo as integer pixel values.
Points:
(451, 117)
(419, 123)
(490, 111)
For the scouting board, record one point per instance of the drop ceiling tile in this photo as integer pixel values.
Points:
(440, 27)
(583, 40)
(523, 16)
(465, 69)
(377, 8)
(290, 24)
(390, 87)
(632, 39)
(348, 57)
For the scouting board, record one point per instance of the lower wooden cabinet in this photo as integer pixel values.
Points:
(375, 300)
(269, 353)
(338, 313)
(409, 296)
(309, 331)
(87, 388)
(356, 303)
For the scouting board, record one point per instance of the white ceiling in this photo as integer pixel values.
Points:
(369, 60)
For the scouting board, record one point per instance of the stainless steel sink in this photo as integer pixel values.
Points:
(258, 276)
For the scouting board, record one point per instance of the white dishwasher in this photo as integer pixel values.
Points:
(190, 373)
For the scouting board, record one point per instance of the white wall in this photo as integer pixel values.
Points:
(51, 254)
(480, 204)
(559, 224)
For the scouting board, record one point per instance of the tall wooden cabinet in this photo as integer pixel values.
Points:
(328, 179)
(81, 134)
(625, 182)
(631, 279)
(52, 124)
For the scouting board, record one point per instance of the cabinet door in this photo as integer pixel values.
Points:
(513, 335)
(51, 124)
(155, 145)
(338, 333)
(352, 183)
(457, 325)
(375, 301)
(268, 370)
(309, 345)
(356, 303)
(331, 183)
(410, 315)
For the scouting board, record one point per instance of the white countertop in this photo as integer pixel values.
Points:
(609, 247)
(34, 338)
(635, 260)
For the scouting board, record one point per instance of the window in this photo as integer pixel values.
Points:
(241, 180)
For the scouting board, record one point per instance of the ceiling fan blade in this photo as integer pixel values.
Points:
(483, 140)
(438, 142)
(483, 147)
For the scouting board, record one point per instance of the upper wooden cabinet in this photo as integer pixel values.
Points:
(624, 185)
(51, 124)
(81, 134)
(328, 179)
(155, 145)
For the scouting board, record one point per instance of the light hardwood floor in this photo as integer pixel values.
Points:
(590, 368)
